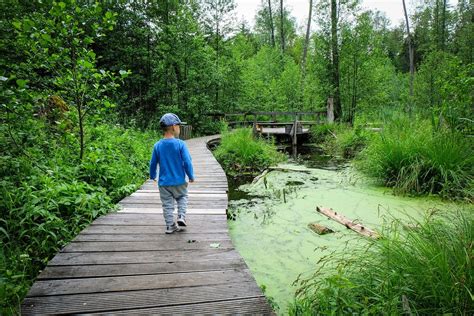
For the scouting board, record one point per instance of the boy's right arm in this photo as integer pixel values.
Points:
(153, 163)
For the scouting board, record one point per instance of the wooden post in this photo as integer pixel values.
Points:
(330, 110)
(254, 124)
(294, 136)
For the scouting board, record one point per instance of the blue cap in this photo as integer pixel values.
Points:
(170, 119)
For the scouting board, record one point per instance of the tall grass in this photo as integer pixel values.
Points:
(426, 270)
(415, 159)
(239, 152)
(340, 139)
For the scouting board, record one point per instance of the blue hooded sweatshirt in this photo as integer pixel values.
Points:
(173, 157)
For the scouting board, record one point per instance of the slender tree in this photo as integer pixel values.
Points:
(282, 30)
(306, 42)
(410, 53)
(218, 22)
(443, 26)
(305, 50)
(272, 28)
(336, 94)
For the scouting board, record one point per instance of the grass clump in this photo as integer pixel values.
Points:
(239, 152)
(412, 157)
(426, 270)
(340, 139)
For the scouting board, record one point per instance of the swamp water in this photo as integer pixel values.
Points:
(269, 219)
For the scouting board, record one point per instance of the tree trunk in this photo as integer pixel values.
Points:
(282, 32)
(306, 42)
(81, 133)
(411, 56)
(271, 22)
(335, 62)
(217, 66)
(443, 27)
(305, 53)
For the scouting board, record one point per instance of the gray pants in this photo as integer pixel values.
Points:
(168, 194)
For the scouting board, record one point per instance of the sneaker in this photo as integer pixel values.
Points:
(171, 229)
(181, 220)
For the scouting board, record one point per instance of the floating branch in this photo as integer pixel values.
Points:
(288, 169)
(264, 173)
(329, 212)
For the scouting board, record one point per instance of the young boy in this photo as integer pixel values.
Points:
(173, 157)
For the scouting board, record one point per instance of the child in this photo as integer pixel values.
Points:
(175, 161)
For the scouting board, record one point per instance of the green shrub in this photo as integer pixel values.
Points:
(49, 196)
(425, 270)
(240, 152)
(413, 158)
(319, 132)
(340, 139)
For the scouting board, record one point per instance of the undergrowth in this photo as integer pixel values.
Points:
(413, 158)
(425, 269)
(48, 196)
(239, 152)
(340, 139)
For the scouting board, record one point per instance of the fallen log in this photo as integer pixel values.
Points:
(320, 229)
(264, 173)
(341, 219)
(288, 169)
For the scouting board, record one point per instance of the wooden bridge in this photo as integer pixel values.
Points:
(273, 123)
(123, 263)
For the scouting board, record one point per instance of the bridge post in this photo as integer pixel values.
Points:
(295, 135)
(254, 125)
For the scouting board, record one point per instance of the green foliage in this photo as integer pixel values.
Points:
(340, 139)
(441, 85)
(239, 152)
(319, 132)
(115, 160)
(412, 157)
(42, 210)
(426, 269)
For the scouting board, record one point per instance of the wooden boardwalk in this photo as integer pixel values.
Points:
(123, 263)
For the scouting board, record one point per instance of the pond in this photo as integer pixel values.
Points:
(269, 219)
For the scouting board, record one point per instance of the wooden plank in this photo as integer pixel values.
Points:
(198, 236)
(136, 282)
(74, 272)
(199, 194)
(107, 229)
(100, 302)
(107, 246)
(341, 219)
(154, 219)
(155, 204)
(64, 259)
(191, 197)
(151, 210)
